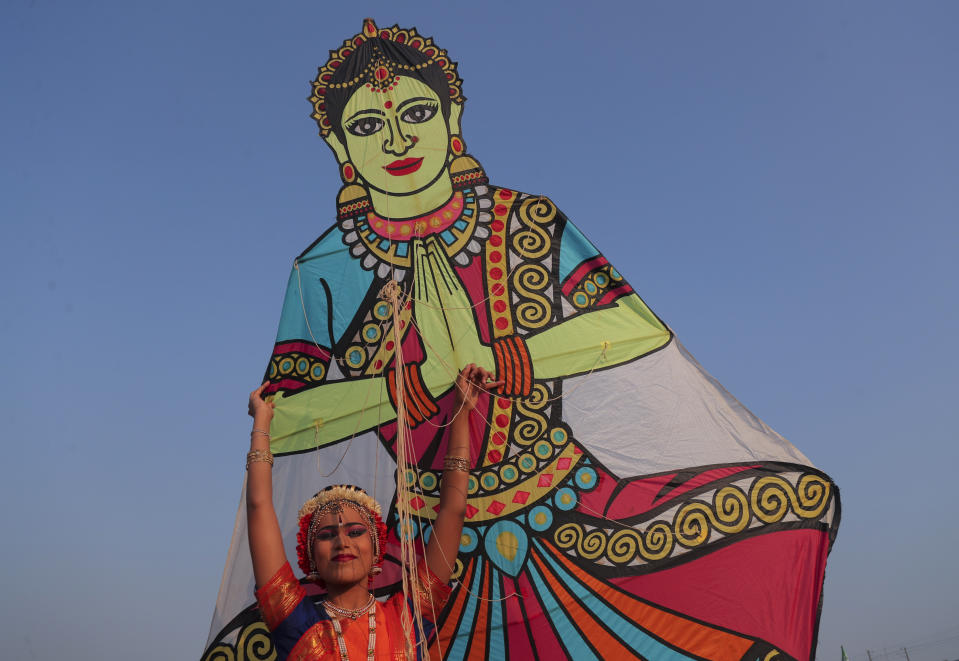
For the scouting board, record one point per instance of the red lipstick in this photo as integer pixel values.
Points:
(404, 166)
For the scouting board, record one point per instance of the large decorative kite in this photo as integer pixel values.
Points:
(622, 504)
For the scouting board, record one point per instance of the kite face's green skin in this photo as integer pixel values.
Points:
(383, 129)
(387, 133)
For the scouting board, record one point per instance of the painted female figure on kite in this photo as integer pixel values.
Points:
(621, 503)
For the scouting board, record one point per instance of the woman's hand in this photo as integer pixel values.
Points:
(471, 380)
(259, 409)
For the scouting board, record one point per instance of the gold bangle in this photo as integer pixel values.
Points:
(456, 464)
(258, 455)
(260, 431)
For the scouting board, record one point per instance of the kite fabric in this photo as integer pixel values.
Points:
(622, 504)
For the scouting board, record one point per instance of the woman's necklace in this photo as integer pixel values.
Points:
(341, 641)
(351, 613)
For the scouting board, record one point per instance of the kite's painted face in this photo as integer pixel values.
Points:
(398, 140)
(343, 548)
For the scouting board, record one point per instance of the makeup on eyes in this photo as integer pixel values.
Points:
(353, 529)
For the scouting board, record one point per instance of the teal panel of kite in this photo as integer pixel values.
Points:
(621, 504)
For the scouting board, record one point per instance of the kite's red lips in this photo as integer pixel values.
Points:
(404, 166)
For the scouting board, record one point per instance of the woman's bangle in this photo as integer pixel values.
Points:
(456, 464)
(260, 431)
(258, 455)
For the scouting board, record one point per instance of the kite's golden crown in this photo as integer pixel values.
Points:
(382, 72)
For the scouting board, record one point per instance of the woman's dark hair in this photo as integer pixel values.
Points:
(376, 48)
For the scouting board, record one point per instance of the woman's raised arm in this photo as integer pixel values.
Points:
(266, 541)
(444, 544)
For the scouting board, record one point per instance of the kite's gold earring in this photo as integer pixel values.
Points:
(353, 199)
(464, 170)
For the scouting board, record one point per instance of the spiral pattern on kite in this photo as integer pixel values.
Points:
(731, 511)
(255, 644)
(692, 524)
(731, 508)
(534, 310)
(221, 652)
(770, 498)
(813, 495)
(534, 241)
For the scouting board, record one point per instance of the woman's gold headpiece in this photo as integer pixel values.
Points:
(381, 73)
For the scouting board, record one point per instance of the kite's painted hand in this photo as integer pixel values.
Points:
(470, 382)
(444, 317)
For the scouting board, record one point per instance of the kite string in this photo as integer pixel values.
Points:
(393, 292)
(410, 579)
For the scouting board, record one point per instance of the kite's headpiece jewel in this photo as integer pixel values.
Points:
(377, 58)
(334, 499)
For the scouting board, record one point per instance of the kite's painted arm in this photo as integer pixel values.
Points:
(601, 338)
(444, 543)
(332, 412)
(266, 541)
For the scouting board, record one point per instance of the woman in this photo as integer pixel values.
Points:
(341, 546)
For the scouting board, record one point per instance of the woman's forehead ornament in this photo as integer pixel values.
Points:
(334, 497)
(382, 73)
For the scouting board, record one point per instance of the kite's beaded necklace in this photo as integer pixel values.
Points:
(341, 641)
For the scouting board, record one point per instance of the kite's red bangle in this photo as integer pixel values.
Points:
(513, 366)
(419, 403)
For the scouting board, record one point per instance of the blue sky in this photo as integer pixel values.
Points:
(779, 181)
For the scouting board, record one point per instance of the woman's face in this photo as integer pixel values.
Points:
(398, 139)
(343, 548)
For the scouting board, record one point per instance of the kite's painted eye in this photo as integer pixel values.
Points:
(419, 113)
(365, 126)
